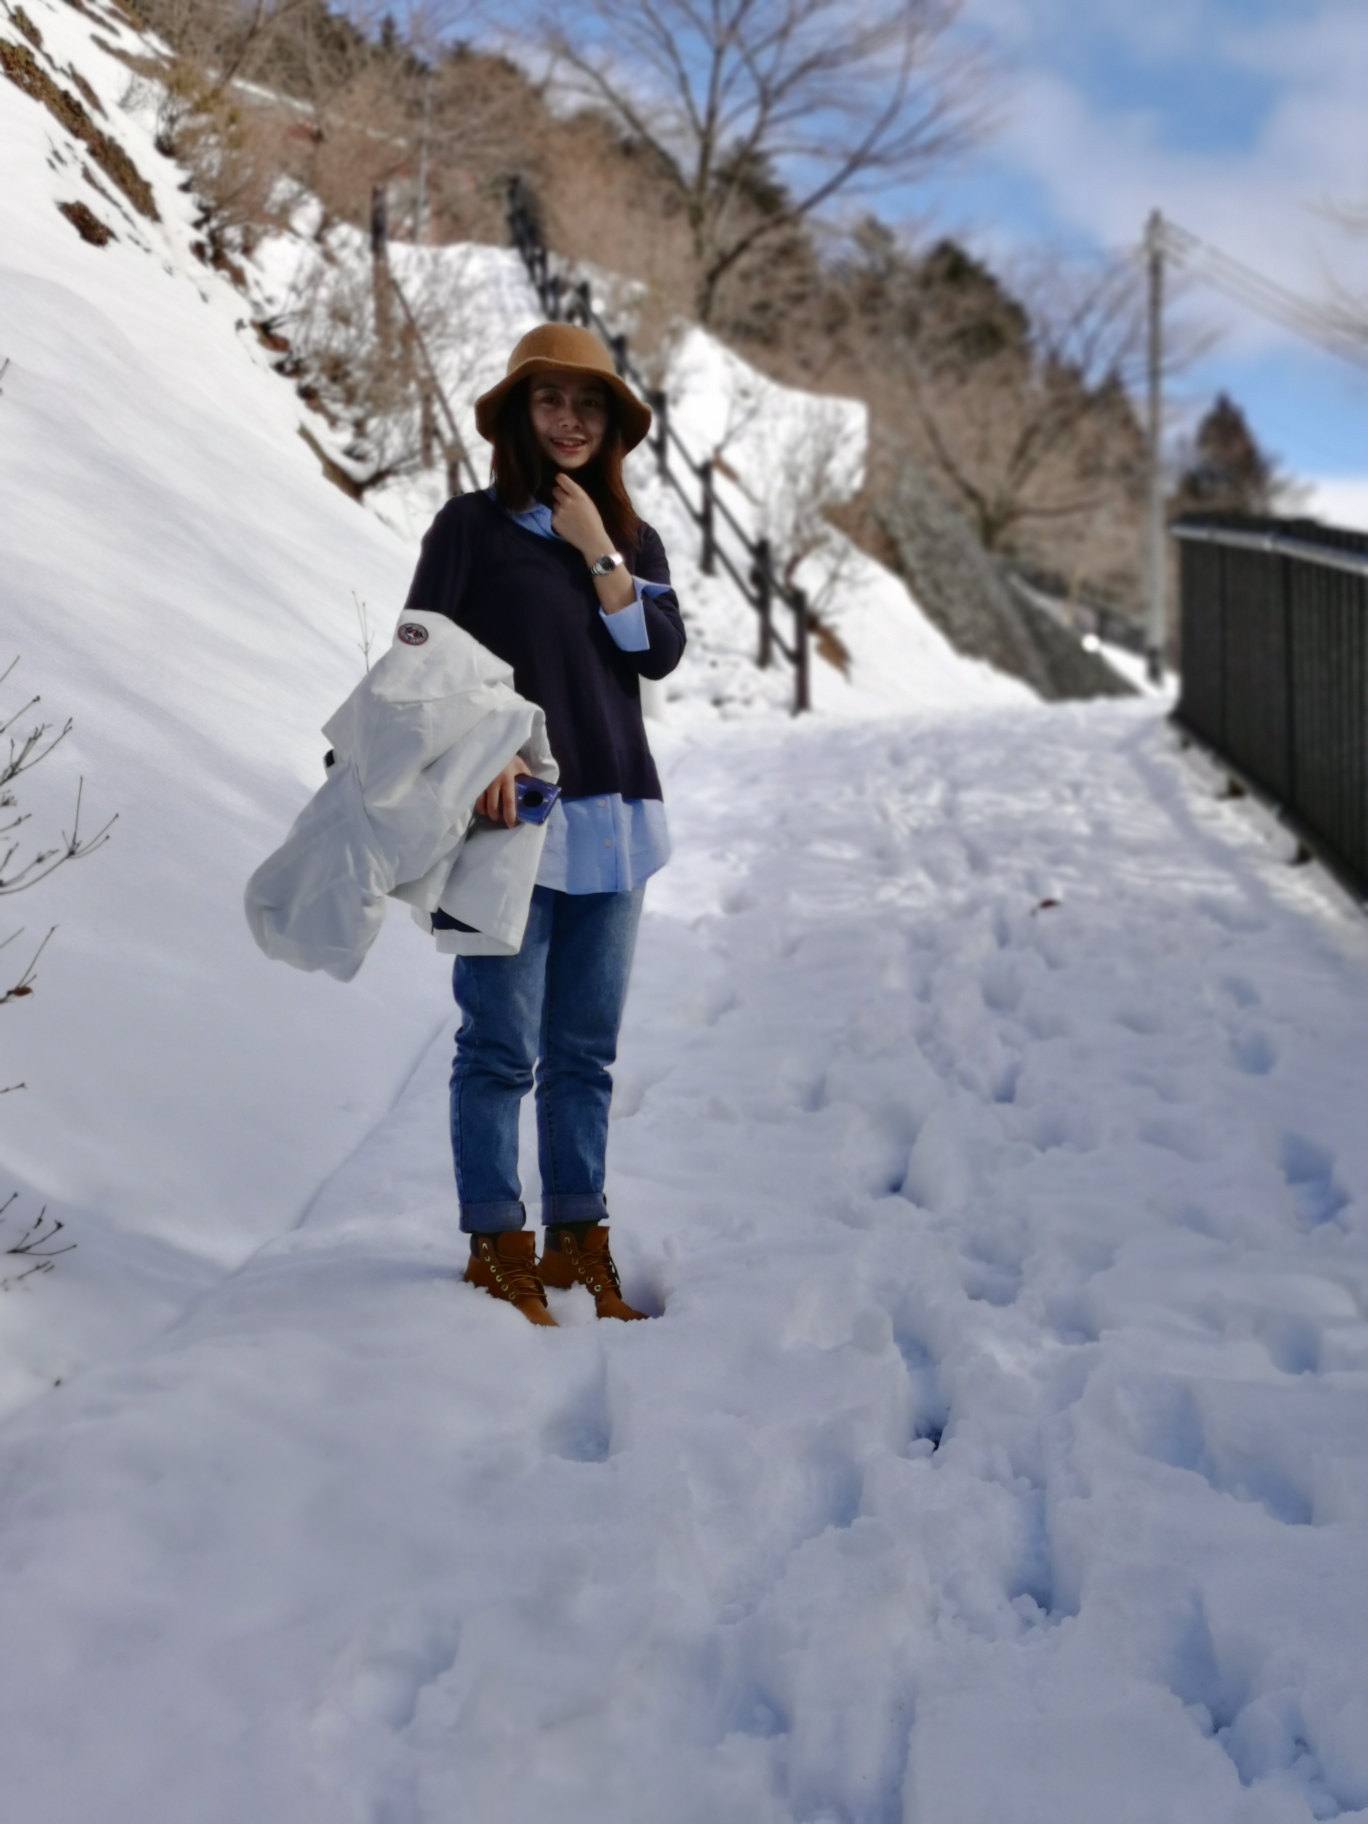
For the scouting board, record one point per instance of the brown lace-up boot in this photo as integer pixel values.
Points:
(505, 1266)
(567, 1261)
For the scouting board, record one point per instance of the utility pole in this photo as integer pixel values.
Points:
(1155, 619)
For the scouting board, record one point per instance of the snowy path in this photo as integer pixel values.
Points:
(1001, 1455)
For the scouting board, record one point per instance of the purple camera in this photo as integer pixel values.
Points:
(535, 798)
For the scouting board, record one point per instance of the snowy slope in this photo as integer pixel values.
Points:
(177, 577)
(1001, 1453)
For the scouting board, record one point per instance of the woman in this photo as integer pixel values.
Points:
(555, 574)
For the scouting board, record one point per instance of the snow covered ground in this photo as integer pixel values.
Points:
(988, 1141)
(988, 1136)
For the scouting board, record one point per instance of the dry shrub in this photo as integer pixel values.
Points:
(86, 223)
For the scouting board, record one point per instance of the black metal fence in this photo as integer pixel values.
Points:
(748, 562)
(1275, 669)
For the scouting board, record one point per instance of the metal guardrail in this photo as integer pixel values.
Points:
(754, 574)
(1275, 669)
(1309, 552)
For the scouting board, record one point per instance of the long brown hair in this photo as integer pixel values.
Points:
(523, 474)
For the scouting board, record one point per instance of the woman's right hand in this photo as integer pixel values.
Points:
(499, 800)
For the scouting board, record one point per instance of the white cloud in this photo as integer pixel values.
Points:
(1101, 169)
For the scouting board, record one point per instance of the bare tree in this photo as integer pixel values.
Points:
(391, 392)
(1024, 405)
(1016, 401)
(761, 112)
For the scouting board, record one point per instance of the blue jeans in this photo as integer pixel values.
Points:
(556, 1005)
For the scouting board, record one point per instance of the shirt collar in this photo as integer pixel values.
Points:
(536, 518)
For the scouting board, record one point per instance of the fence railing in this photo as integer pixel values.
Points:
(749, 562)
(1275, 669)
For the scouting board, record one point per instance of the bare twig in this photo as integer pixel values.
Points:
(19, 875)
(71, 848)
(367, 631)
(24, 986)
(35, 1245)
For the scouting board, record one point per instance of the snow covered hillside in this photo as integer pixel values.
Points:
(988, 1142)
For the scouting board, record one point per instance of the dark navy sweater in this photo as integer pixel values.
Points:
(532, 602)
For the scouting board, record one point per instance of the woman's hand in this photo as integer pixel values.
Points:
(499, 800)
(577, 519)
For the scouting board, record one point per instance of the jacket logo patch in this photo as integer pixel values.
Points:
(412, 634)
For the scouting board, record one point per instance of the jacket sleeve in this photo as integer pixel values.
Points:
(439, 582)
(664, 623)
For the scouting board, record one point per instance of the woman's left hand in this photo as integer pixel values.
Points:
(499, 800)
(575, 517)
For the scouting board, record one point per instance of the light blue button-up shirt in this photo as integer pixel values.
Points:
(605, 844)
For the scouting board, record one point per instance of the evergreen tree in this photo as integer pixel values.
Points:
(1226, 471)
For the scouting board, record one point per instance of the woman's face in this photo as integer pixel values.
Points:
(569, 416)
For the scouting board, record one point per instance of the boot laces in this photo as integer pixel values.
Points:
(514, 1282)
(589, 1268)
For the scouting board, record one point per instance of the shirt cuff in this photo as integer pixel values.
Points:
(628, 625)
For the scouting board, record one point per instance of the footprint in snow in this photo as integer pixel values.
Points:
(582, 1431)
(1309, 1172)
(1253, 1053)
(1241, 990)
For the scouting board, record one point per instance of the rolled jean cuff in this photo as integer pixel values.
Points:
(575, 1206)
(491, 1218)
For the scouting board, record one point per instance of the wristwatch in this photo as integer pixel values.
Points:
(609, 562)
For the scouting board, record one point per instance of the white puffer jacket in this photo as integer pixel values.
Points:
(416, 743)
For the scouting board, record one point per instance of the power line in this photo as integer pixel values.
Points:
(1331, 330)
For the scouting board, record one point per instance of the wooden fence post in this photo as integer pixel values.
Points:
(762, 578)
(708, 560)
(801, 697)
(660, 406)
(380, 273)
(565, 303)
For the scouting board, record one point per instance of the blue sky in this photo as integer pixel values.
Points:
(1244, 120)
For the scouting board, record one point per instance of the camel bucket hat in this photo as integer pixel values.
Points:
(563, 345)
